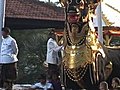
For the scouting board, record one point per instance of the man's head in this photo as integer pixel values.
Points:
(42, 79)
(115, 82)
(5, 32)
(52, 35)
(103, 85)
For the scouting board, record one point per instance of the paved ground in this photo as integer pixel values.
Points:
(21, 86)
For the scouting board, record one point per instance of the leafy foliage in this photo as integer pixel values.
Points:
(32, 53)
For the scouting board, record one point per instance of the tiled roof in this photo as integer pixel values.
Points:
(33, 9)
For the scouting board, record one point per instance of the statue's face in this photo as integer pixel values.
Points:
(77, 10)
(77, 16)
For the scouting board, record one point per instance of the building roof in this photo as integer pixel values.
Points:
(45, 14)
(33, 9)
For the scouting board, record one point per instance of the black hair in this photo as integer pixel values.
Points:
(51, 34)
(117, 80)
(6, 29)
(42, 76)
(104, 84)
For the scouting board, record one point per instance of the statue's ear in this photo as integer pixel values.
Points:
(64, 3)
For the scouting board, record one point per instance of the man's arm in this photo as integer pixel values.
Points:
(14, 47)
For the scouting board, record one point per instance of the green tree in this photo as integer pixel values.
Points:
(32, 53)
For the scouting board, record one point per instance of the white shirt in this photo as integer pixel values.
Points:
(9, 50)
(52, 52)
(44, 87)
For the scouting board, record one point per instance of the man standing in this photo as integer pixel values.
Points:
(52, 54)
(8, 61)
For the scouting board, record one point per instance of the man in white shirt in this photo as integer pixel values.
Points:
(42, 84)
(52, 58)
(8, 60)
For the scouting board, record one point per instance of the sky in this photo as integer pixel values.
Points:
(114, 3)
(112, 14)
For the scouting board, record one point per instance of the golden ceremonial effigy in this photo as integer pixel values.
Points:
(82, 50)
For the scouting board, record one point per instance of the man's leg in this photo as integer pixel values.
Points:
(2, 76)
(53, 69)
(10, 75)
(8, 85)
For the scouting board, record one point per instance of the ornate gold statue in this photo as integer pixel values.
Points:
(82, 50)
